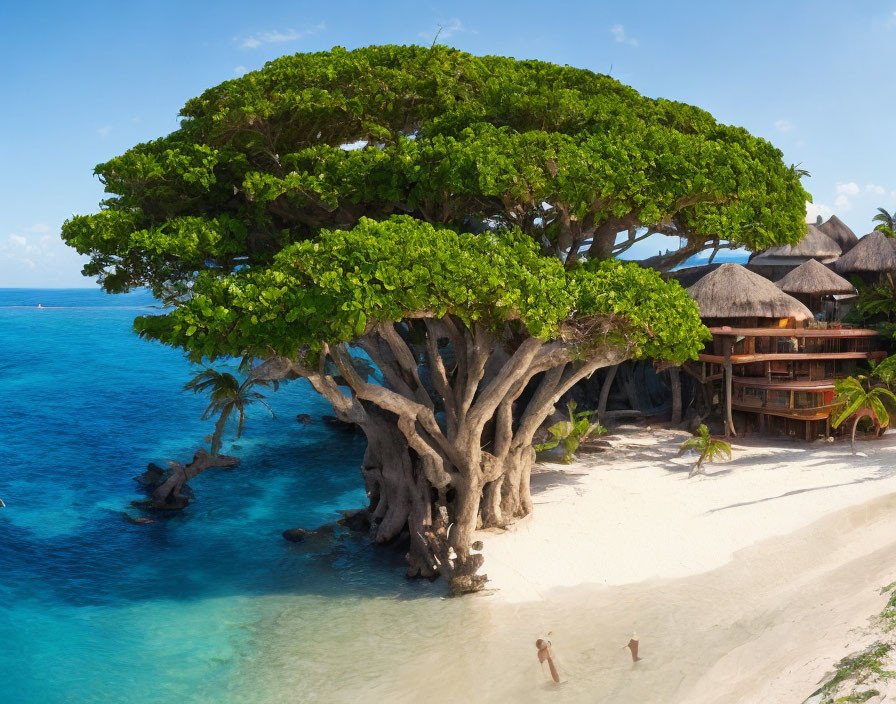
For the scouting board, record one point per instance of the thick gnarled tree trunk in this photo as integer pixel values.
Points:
(455, 453)
(168, 495)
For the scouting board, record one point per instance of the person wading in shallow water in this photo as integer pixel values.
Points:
(545, 654)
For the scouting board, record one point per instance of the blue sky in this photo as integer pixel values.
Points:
(82, 82)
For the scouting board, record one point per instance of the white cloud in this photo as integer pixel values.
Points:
(254, 41)
(104, 130)
(19, 251)
(784, 125)
(239, 70)
(35, 255)
(446, 30)
(813, 210)
(874, 189)
(845, 191)
(618, 32)
(842, 202)
(19, 248)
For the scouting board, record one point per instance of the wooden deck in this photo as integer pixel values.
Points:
(789, 357)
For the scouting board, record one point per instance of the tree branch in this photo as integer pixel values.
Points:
(405, 359)
(439, 375)
(497, 388)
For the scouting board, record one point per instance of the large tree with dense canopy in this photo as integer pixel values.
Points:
(453, 219)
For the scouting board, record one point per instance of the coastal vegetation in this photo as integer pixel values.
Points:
(571, 433)
(707, 448)
(451, 219)
(860, 397)
(886, 222)
(870, 666)
(227, 394)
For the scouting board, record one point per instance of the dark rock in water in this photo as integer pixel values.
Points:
(297, 535)
(357, 519)
(326, 529)
(153, 476)
(477, 545)
(175, 505)
(304, 419)
(138, 520)
(310, 540)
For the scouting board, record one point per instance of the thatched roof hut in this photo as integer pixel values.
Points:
(874, 253)
(814, 245)
(692, 274)
(837, 230)
(731, 291)
(814, 279)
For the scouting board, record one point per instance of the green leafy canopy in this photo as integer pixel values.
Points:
(262, 161)
(334, 287)
(305, 202)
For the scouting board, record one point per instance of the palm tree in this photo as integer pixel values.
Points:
(227, 395)
(863, 401)
(887, 222)
(708, 448)
(884, 371)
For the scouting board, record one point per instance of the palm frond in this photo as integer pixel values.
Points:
(877, 407)
(847, 411)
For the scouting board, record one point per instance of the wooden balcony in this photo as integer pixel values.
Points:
(790, 357)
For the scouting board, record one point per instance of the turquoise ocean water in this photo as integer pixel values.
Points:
(96, 609)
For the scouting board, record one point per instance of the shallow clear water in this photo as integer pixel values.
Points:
(94, 608)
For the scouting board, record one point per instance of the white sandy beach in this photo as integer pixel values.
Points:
(777, 556)
(747, 585)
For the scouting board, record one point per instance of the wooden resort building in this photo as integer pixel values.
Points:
(770, 365)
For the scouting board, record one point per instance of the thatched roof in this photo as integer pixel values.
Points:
(814, 279)
(873, 253)
(837, 230)
(692, 274)
(733, 292)
(815, 244)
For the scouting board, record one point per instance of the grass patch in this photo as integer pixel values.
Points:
(889, 613)
(859, 697)
(859, 668)
(865, 665)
